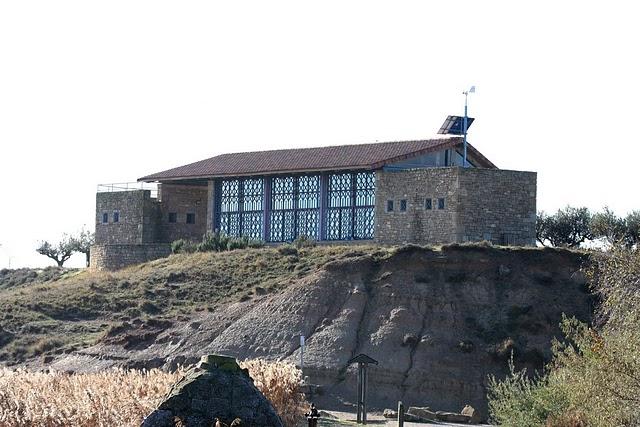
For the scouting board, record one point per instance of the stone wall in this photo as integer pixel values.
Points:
(137, 213)
(479, 204)
(182, 200)
(115, 257)
(498, 206)
(417, 224)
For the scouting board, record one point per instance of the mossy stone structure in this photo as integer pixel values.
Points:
(389, 193)
(216, 388)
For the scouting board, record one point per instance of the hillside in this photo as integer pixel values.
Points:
(438, 320)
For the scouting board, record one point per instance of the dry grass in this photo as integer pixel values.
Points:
(109, 398)
(280, 383)
(122, 397)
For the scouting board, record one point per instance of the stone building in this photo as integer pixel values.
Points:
(388, 193)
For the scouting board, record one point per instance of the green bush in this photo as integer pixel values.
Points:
(594, 376)
(522, 401)
(214, 242)
(177, 245)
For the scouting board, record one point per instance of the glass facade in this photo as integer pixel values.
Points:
(282, 208)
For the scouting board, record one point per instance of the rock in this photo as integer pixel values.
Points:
(412, 418)
(215, 389)
(472, 413)
(390, 413)
(159, 419)
(452, 417)
(424, 413)
(410, 340)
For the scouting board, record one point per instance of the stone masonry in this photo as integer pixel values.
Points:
(182, 200)
(115, 257)
(423, 206)
(138, 227)
(467, 204)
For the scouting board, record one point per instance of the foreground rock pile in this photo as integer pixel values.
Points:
(468, 415)
(215, 390)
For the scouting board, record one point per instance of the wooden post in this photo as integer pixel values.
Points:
(364, 394)
(359, 414)
(400, 414)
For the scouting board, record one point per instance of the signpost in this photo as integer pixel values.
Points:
(363, 361)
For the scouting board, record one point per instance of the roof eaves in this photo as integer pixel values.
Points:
(155, 178)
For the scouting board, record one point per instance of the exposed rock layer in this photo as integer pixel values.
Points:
(437, 321)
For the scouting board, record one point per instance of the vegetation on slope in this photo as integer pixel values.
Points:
(72, 310)
(594, 378)
(124, 397)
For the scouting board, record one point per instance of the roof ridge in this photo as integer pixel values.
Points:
(317, 147)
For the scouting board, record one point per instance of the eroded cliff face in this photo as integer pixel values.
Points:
(438, 321)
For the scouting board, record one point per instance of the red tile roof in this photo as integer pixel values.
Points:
(339, 157)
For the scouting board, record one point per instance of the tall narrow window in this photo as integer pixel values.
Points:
(240, 207)
(441, 203)
(389, 205)
(428, 204)
(403, 205)
(351, 206)
(191, 218)
(116, 216)
(173, 217)
(295, 208)
(105, 217)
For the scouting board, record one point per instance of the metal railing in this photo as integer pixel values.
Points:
(129, 186)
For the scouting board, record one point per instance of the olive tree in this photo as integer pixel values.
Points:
(60, 252)
(82, 243)
(568, 227)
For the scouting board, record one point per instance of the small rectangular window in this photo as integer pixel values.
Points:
(191, 218)
(403, 205)
(441, 203)
(173, 217)
(428, 204)
(389, 205)
(105, 217)
(116, 216)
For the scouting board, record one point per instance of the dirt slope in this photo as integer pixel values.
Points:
(438, 321)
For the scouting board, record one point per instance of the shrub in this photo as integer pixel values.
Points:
(521, 401)
(594, 376)
(214, 242)
(304, 242)
(280, 382)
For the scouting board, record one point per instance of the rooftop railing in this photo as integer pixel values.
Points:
(129, 186)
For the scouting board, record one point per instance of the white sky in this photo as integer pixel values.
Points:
(96, 92)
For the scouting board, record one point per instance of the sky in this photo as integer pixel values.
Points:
(100, 92)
